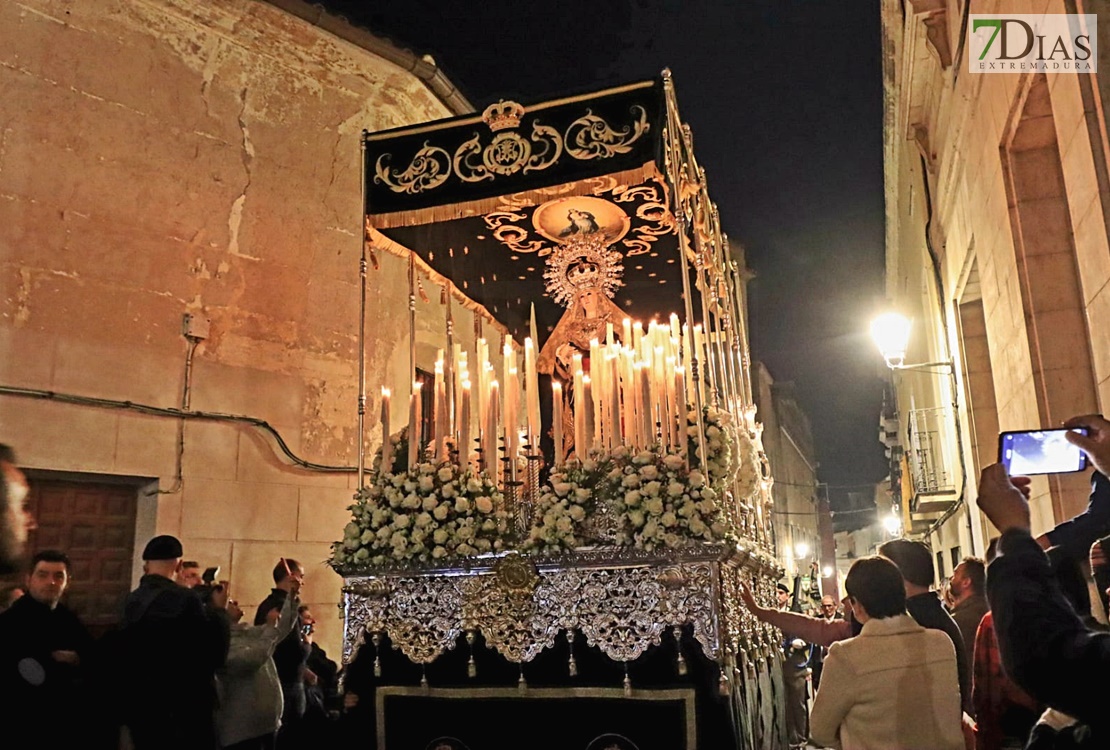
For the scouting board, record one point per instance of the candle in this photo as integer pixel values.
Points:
(492, 431)
(680, 397)
(626, 331)
(672, 405)
(645, 404)
(637, 335)
(387, 466)
(589, 427)
(414, 425)
(699, 355)
(464, 425)
(532, 384)
(614, 403)
(609, 334)
(674, 326)
(439, 411)
(557, 420)
(579, 408)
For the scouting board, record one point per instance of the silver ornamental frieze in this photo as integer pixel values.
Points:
(621, 604)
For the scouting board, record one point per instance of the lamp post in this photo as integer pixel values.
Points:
(891, 333)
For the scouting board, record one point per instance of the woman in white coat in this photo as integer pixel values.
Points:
(250, 699)
(895, 685)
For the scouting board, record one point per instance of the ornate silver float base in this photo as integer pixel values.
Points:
(620, 600)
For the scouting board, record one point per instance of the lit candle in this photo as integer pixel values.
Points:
(614, 402)
(680, 397)
(699, 355)
(492, 431)
(532, 386)
(637, 335)
(589, 427)
(626, 331)
(675, 333)
(414, 425)
(671, 418)
(609, 334)
(646, 406)
(387, 466)
(439, 411)
(464, 425)
(557, 420)
(579, 408)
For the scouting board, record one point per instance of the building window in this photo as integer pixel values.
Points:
(955, 556)
(940, 565)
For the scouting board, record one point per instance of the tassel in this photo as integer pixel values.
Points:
(471, 666)
(627, 682)
(572, 665)
(377, 639)
(374, 259)
(681, 661)
(424, 677)
(421, 292)
(522, 684)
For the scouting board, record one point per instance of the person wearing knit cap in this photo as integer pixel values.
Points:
(170, 652)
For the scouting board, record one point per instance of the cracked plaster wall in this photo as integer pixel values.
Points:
(159, 157)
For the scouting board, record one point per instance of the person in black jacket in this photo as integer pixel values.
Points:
(915, 560)
(1046, 648)
(168, 652)
(43, 646)
(291, 653)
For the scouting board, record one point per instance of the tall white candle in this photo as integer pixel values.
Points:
(557, 420)
(439, 411)
(680, 397)
(387, 457)
(493, 464)
(414, 425)
(590, 428)
(646, 411)
(532, 386)
(614, 401)
(579, 408)
(464, 425)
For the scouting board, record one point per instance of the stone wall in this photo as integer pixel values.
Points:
(1014, 166)
(164, 157)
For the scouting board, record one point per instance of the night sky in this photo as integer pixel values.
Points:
(785, 101)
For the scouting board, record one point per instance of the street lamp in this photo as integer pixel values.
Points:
(827, 571)
(801, 550)
(893, 525)
(891, 333)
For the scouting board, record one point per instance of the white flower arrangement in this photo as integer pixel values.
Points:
(427, 514)
(572, 495)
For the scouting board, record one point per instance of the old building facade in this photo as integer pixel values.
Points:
(997, 205)
(180, 229)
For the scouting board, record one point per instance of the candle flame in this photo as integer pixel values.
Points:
(385, 392)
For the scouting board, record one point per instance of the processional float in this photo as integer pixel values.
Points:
(590, 481)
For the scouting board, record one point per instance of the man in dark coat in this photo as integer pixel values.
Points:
(170, 651)
(42, 645)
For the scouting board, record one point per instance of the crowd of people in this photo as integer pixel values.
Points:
(993, 664)
(182, 671)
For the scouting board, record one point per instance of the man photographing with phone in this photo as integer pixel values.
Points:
(1044, 644)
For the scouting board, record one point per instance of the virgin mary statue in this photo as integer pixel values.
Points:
(584, 278)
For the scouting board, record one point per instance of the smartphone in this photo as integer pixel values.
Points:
(1027, 452)
(210, 574)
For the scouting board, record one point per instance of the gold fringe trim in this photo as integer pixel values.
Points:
(379, 241)
(513, 201)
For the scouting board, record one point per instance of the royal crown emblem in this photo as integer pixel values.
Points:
(503, 115)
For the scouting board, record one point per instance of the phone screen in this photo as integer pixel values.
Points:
(1040, 452)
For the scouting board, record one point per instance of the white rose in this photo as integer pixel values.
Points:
(427, 468)
(411, 502)
(367, 536)
(430, 502)
(697, 527)
(384, 532)
(718, 528)
(462, 505)
(362, 555)
(398, 539)
(654, 506)
(562, 488)
(423, 520)
(649, 471)
(696, 478)
(465, 549)
(441, 512)
(448, 491)
(644, 457)
(673, 462)
(439, 536)
(426, 484)
(401, 521)
(350, 530)
(652, 488)
(445, 474)
(484, 545)
(564, 524)
(651, 528)
(675, 489)
(668, 519)
(582, 494)
(577, 513)
(672, 540)
(631, 480)
(473, 486)
(410, 486)
(439, 552)
(636, 517)
(484, 505)
(632, 499)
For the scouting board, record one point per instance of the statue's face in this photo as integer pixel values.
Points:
(588, 298)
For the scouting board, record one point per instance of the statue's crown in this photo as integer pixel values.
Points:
(503, 115)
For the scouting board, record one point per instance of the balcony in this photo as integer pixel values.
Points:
(930, 470)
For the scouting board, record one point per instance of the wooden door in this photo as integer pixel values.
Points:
(95, 525)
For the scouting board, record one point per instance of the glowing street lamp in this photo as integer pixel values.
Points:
(827, 571)
(893, 525)
(801, 550)
(891, 333)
